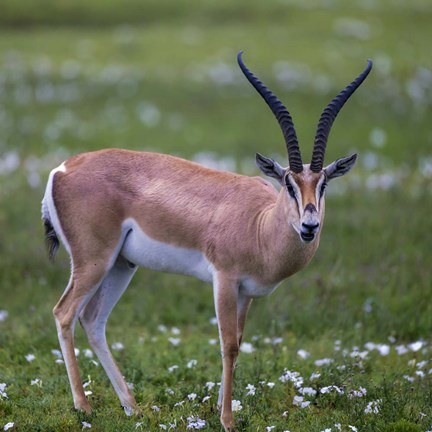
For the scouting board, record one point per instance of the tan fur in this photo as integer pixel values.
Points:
(238, 222)
(242, 225)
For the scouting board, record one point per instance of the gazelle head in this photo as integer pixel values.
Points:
(305, 184)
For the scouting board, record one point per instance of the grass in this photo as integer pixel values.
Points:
(163, 77)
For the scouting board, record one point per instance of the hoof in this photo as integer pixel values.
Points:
(132, 411)
(84, 407)
(228, 424)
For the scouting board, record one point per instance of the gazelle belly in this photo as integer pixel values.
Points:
(143, 251)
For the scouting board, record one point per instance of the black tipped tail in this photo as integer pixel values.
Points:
(51, 239)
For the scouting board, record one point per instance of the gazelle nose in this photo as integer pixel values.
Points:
(310, 228)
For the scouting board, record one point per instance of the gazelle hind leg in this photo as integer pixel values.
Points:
(81, 287)
(94, 318)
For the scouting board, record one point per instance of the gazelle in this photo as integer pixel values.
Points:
(117, 210)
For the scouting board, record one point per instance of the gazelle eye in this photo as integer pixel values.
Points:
(323, 187)
(290, 188)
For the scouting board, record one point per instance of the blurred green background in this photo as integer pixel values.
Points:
(162, 76)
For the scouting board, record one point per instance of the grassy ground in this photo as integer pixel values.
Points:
(162, 76)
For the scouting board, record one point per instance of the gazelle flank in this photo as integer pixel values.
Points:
(117, 210)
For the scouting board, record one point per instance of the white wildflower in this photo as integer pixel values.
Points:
(270, 384)
(236, 405)
(210, 385)
(373, 407)
(130, 385)
(416, 346)
(247, 347)
(303, 354)
(409, 378)
(37, 382)
(164, 427)
(270, 428)
(88, 353)
(338, 426)
(327, 430)
(192, 363)
(307, 391)
(8, 426)
(421, 374)
(213, 321)
(86, 425)
(118, 346)
(3, 393)
(77, 352)
(170, 391)
(276, 341)
(3, 315)
(57, 353)
(162, 328)
(195, 423)
(383, 349)
(293, 377)
(213, 341)
(422, 364)
(299, 401)
(30, 357)
(155, 408)
(172, 368)
(175, 330)
(357, 393)
(323, 362)
(205, 398)
(179, 403)
(328, 389)
(192, 396)
(356, 353)
(353, 428)
(314, 376)
(401, 349)
(251, 390)
(174, 341)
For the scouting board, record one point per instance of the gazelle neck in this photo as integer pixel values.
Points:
(284, 251)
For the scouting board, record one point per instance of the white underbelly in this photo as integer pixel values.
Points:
(143, 251)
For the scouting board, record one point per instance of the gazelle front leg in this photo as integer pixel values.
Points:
(243, 304)
(226, 295)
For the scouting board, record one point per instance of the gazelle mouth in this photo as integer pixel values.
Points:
(307, 237)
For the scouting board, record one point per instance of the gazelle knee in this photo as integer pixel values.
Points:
(230, 351)
(63, 320)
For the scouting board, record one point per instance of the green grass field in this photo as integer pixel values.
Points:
(355, 325)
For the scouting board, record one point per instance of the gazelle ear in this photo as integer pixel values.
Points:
(340, 167)
(270, 167)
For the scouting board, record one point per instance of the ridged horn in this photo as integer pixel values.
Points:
(328, 117)
(282, 115)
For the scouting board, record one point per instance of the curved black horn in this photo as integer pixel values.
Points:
(282, 115)
(328, 116)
